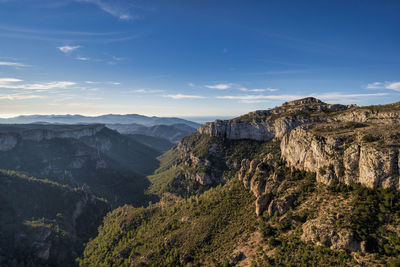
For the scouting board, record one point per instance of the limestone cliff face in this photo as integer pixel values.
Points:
(8, 140)
(253, 130)
(337, 142)
(265, 125)
(345, 157)
(45, 134)
(326, 139)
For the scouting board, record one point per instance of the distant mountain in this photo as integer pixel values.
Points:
(172, 133)
(106, 119)
(112, 165)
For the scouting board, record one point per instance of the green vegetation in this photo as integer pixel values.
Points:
(216, 158)
(40, 222)
(202, 230)
(368, 138)
(112, 165)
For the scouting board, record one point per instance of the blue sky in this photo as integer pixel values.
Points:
(194, 58)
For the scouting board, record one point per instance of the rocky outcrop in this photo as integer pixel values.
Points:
(260, 178)
(322, 231)
(7, 142)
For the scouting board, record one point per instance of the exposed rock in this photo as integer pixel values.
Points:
(269, 124)
(7, 142)
(10, 139)
(322, 231)
(281, 205)
(262, 203)
(259, 178)
(46, 134)
(330, 156)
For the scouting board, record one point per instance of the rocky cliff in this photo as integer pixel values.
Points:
(339, 143)
(346, 143)
(264, 125)
(368, 155)
(11, 134)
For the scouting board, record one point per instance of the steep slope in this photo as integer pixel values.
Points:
(43, 222)
(112, 165)
(172, 133)
(157, 143)
(309, 210)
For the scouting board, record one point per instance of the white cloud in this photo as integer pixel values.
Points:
(258, 90)
(385, 85)
(191, 84)
(12, 83)
(83, 58)
(11, 64)
(92, 82)
(181, 96)
(68, 48)
(9, 80)
(148, 91)
(220, 86)
(95, 82)
(115, 8)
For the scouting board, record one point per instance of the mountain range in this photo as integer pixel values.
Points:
(306, 183)
(104, 119)
(303, 184)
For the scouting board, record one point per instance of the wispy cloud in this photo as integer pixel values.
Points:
(19, 97)
(148, 91)
(53, 32)
(98, 82)
(116, 8)
(220, 86)
(340, 97)
(181, 96)
(68, 48)
(12, 64)
(243, 89)
(63, 36)
(385, 85)
(13, 83)
(260, 97)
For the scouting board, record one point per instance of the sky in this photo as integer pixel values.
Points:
(194, 58)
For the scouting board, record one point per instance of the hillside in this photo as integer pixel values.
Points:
(157, 143)
(43, 223)
(114, 166)
(306, 183)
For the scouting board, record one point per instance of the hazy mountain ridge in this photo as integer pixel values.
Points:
(103, 119)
